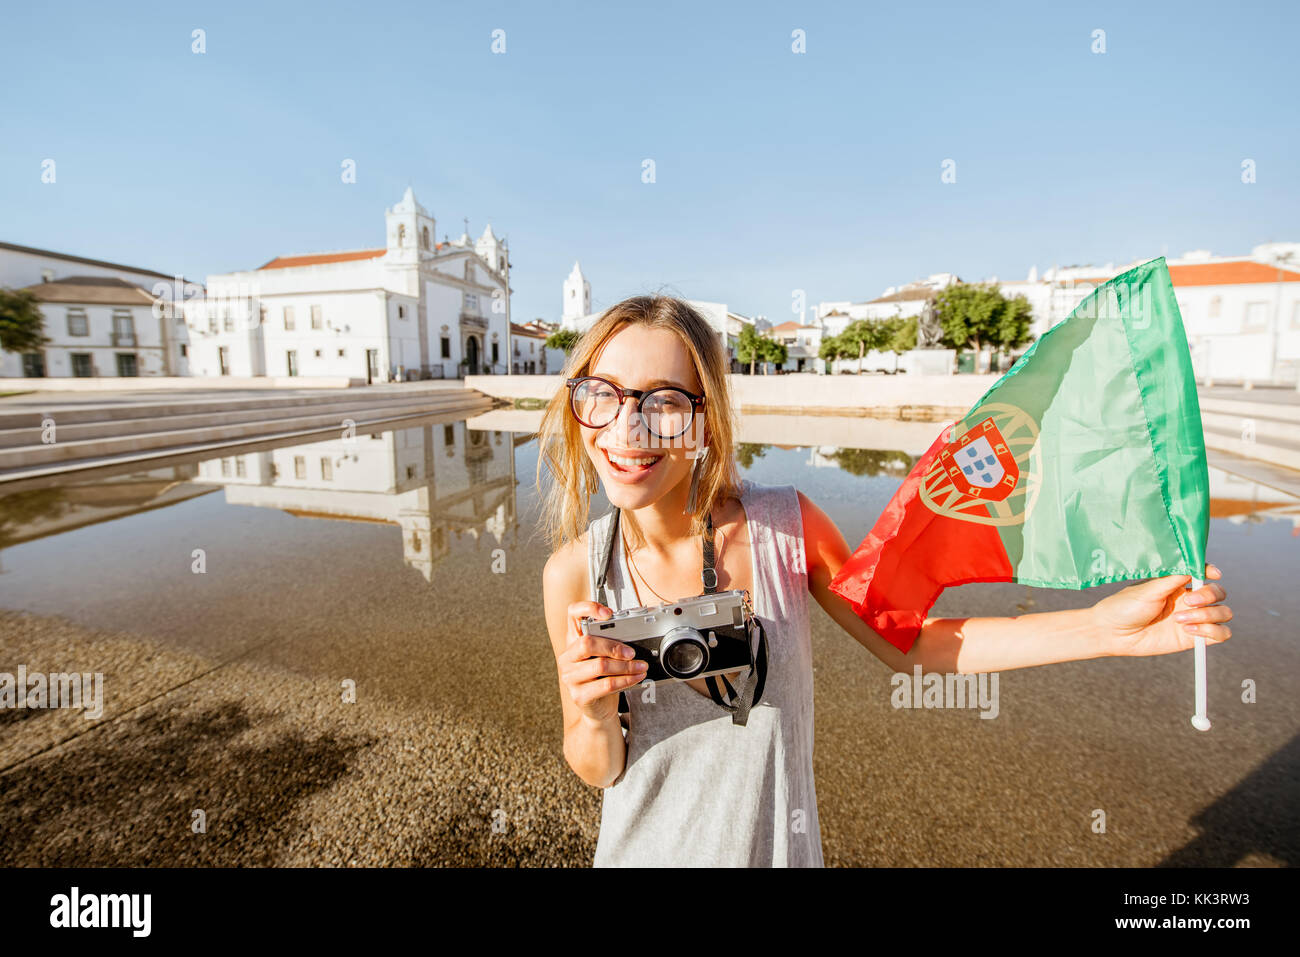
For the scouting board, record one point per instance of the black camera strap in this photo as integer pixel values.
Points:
(751, 687)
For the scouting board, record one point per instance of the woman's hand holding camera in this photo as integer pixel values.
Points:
(596, 669)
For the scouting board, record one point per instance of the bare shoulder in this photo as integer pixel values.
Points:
(567, 560)
(565, 574)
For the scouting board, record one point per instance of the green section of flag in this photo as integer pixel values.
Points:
(1115, 485)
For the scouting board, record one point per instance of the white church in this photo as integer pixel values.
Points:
(576, 314)
(414, 308)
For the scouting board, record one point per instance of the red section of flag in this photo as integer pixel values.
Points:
(911, 555)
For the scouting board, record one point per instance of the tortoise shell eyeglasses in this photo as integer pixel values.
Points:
(667, 411)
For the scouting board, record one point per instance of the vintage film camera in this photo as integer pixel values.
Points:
(689, 638)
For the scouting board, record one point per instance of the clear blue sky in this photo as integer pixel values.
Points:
(775, 171)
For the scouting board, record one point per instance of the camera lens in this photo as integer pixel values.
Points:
(683, 653)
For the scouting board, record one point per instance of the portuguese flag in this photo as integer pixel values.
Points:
(1084, 464)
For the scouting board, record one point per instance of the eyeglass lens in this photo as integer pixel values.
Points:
(667, 412)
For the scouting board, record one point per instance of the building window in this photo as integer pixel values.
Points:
(288, 318)
(126, 364)
(185, 350)
(225, 468)
(449, 434)
(77, 323)
(401, 234)
(123, 328)
(241, 470)
(291, 360)
(342, 353)
(496, 352)
(315, 318)
(424, 236)
(446, 347)
(81, 367)
(471, 303)
(1216, 304)
(212, 324)
(299, 467)
(410, 472)
(317, 354)
(227, 323)
(1256, 318)
(223, 360)
(34, 365)
(401, 312)
(326, 469)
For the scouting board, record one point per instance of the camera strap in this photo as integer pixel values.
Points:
(751, 686)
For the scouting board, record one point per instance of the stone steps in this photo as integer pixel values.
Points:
(169, 418)
(150, 437)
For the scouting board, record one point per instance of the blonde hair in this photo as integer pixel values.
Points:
(566, 503)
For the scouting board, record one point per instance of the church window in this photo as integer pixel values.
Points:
(401, 234)
(288, 318)
(424, 237)
(315, 317)
(446, 348)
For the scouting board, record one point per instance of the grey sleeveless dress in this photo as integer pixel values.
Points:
(698, 790)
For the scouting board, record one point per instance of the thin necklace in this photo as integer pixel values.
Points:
(628, 555)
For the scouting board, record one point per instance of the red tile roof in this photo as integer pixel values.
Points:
(1240, 272)
(288, 262)
(791, 324)
(1229, 274)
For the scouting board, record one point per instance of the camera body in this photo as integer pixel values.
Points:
(689, 638)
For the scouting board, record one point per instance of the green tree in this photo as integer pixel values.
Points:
(974, 315)
(773, 351)
(835, 347)
(902, 336)
(863, 335)
(22, 326)
(564, 339)
(749, 347)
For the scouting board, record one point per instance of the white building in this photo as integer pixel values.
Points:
(414, 308)
(725, 322)
(1241, 313)
(26, 266)
(102, 326)
(439, 483)
(576, 301)
(802, 343)
(896, 301)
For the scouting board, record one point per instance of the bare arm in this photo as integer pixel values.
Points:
(1140, 620)
(591, 672)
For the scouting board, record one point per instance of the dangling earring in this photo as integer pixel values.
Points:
(691, 500)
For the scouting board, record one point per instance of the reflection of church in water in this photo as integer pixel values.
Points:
(437, 483)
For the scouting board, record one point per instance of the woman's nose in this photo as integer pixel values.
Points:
(628, 426)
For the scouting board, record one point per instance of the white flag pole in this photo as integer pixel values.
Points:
(1199, 720)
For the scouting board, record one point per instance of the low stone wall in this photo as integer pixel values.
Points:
(156, 383)
(802, 392)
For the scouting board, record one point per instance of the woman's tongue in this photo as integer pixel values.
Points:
(641, 466)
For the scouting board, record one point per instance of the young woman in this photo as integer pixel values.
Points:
(645, 413)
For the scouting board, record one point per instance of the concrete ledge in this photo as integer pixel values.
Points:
(152, 383)
(829, 394)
